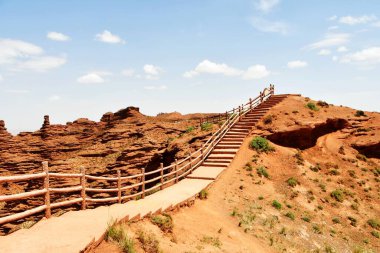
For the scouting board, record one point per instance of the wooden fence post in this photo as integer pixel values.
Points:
(239, 111)
(143, 181)
(226, 115)
(45, 167)
(118, 186)
(162, 175)
(176, 170)
(202, 156)
(83, 185)
(250, 103)
(191, 162)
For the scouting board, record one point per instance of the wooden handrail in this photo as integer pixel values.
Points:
(180, 169)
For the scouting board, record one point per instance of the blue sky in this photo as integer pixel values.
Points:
(72, 59)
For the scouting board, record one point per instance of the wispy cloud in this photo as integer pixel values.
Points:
(107, 37)
(324, 52)
(93, 77)
(297, 64)
(266, 5)
(368, 56)
(264, 25)
(128, 72)
(17, 91)
(351, 20)
(330, 40)
(21, 55)
(57, 36)
(161, 87)
(54, 98)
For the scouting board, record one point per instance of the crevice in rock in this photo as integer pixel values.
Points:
(306, 137)
(369, 150)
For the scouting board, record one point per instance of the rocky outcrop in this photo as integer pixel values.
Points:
(303, 137)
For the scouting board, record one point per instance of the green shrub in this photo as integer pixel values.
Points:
(117, 233)
(312, 106)
(337, 195)
(260, 144)
(352, 220)
(317, 229)
(262, 172)
(374, 223)
(164, 222)
(315, 168)
(276, 204)
(375, 234)
(306, 218)
(290, 215)
(336, 220)
(148, 241)
(292, 182)
(207, 126)
(190, 129)
(360, 113)
(203, 194)
(361, 157)
(214, 241)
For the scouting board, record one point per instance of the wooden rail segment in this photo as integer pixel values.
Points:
(166, 175)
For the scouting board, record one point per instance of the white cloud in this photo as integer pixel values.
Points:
(335, 58)
(264, 25)
(42, 64)
(297, 64)
(21, 55)
(331, 39)
(128, 72)
(334, 27)
(57, 36)
(152, 72)
(366, 56)
(266, 5)
(93, 77)
(342, 49)
(350, 20)
(376, 24)
(54, 98)
(1, 78)
(256, 72)
(332, 18)
(162, 87)
(12, 50)
(209, 67)
(107, 37)
(324, 52)
(17, 91)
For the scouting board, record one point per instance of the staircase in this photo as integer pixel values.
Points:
(224, 151)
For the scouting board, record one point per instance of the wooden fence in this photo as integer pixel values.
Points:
(166, 175)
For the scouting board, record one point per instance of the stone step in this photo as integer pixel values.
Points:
(234, 138)
(221, 156)
(205, 164)
(224, 151)
(242, 126)
(225, 146)
(218, 161)
(230, 142)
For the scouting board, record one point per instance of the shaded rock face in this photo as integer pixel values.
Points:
(128, 112)
(306, 136)
(370, 150)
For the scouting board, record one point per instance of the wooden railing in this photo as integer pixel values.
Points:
(166, 175)
(223, 116)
